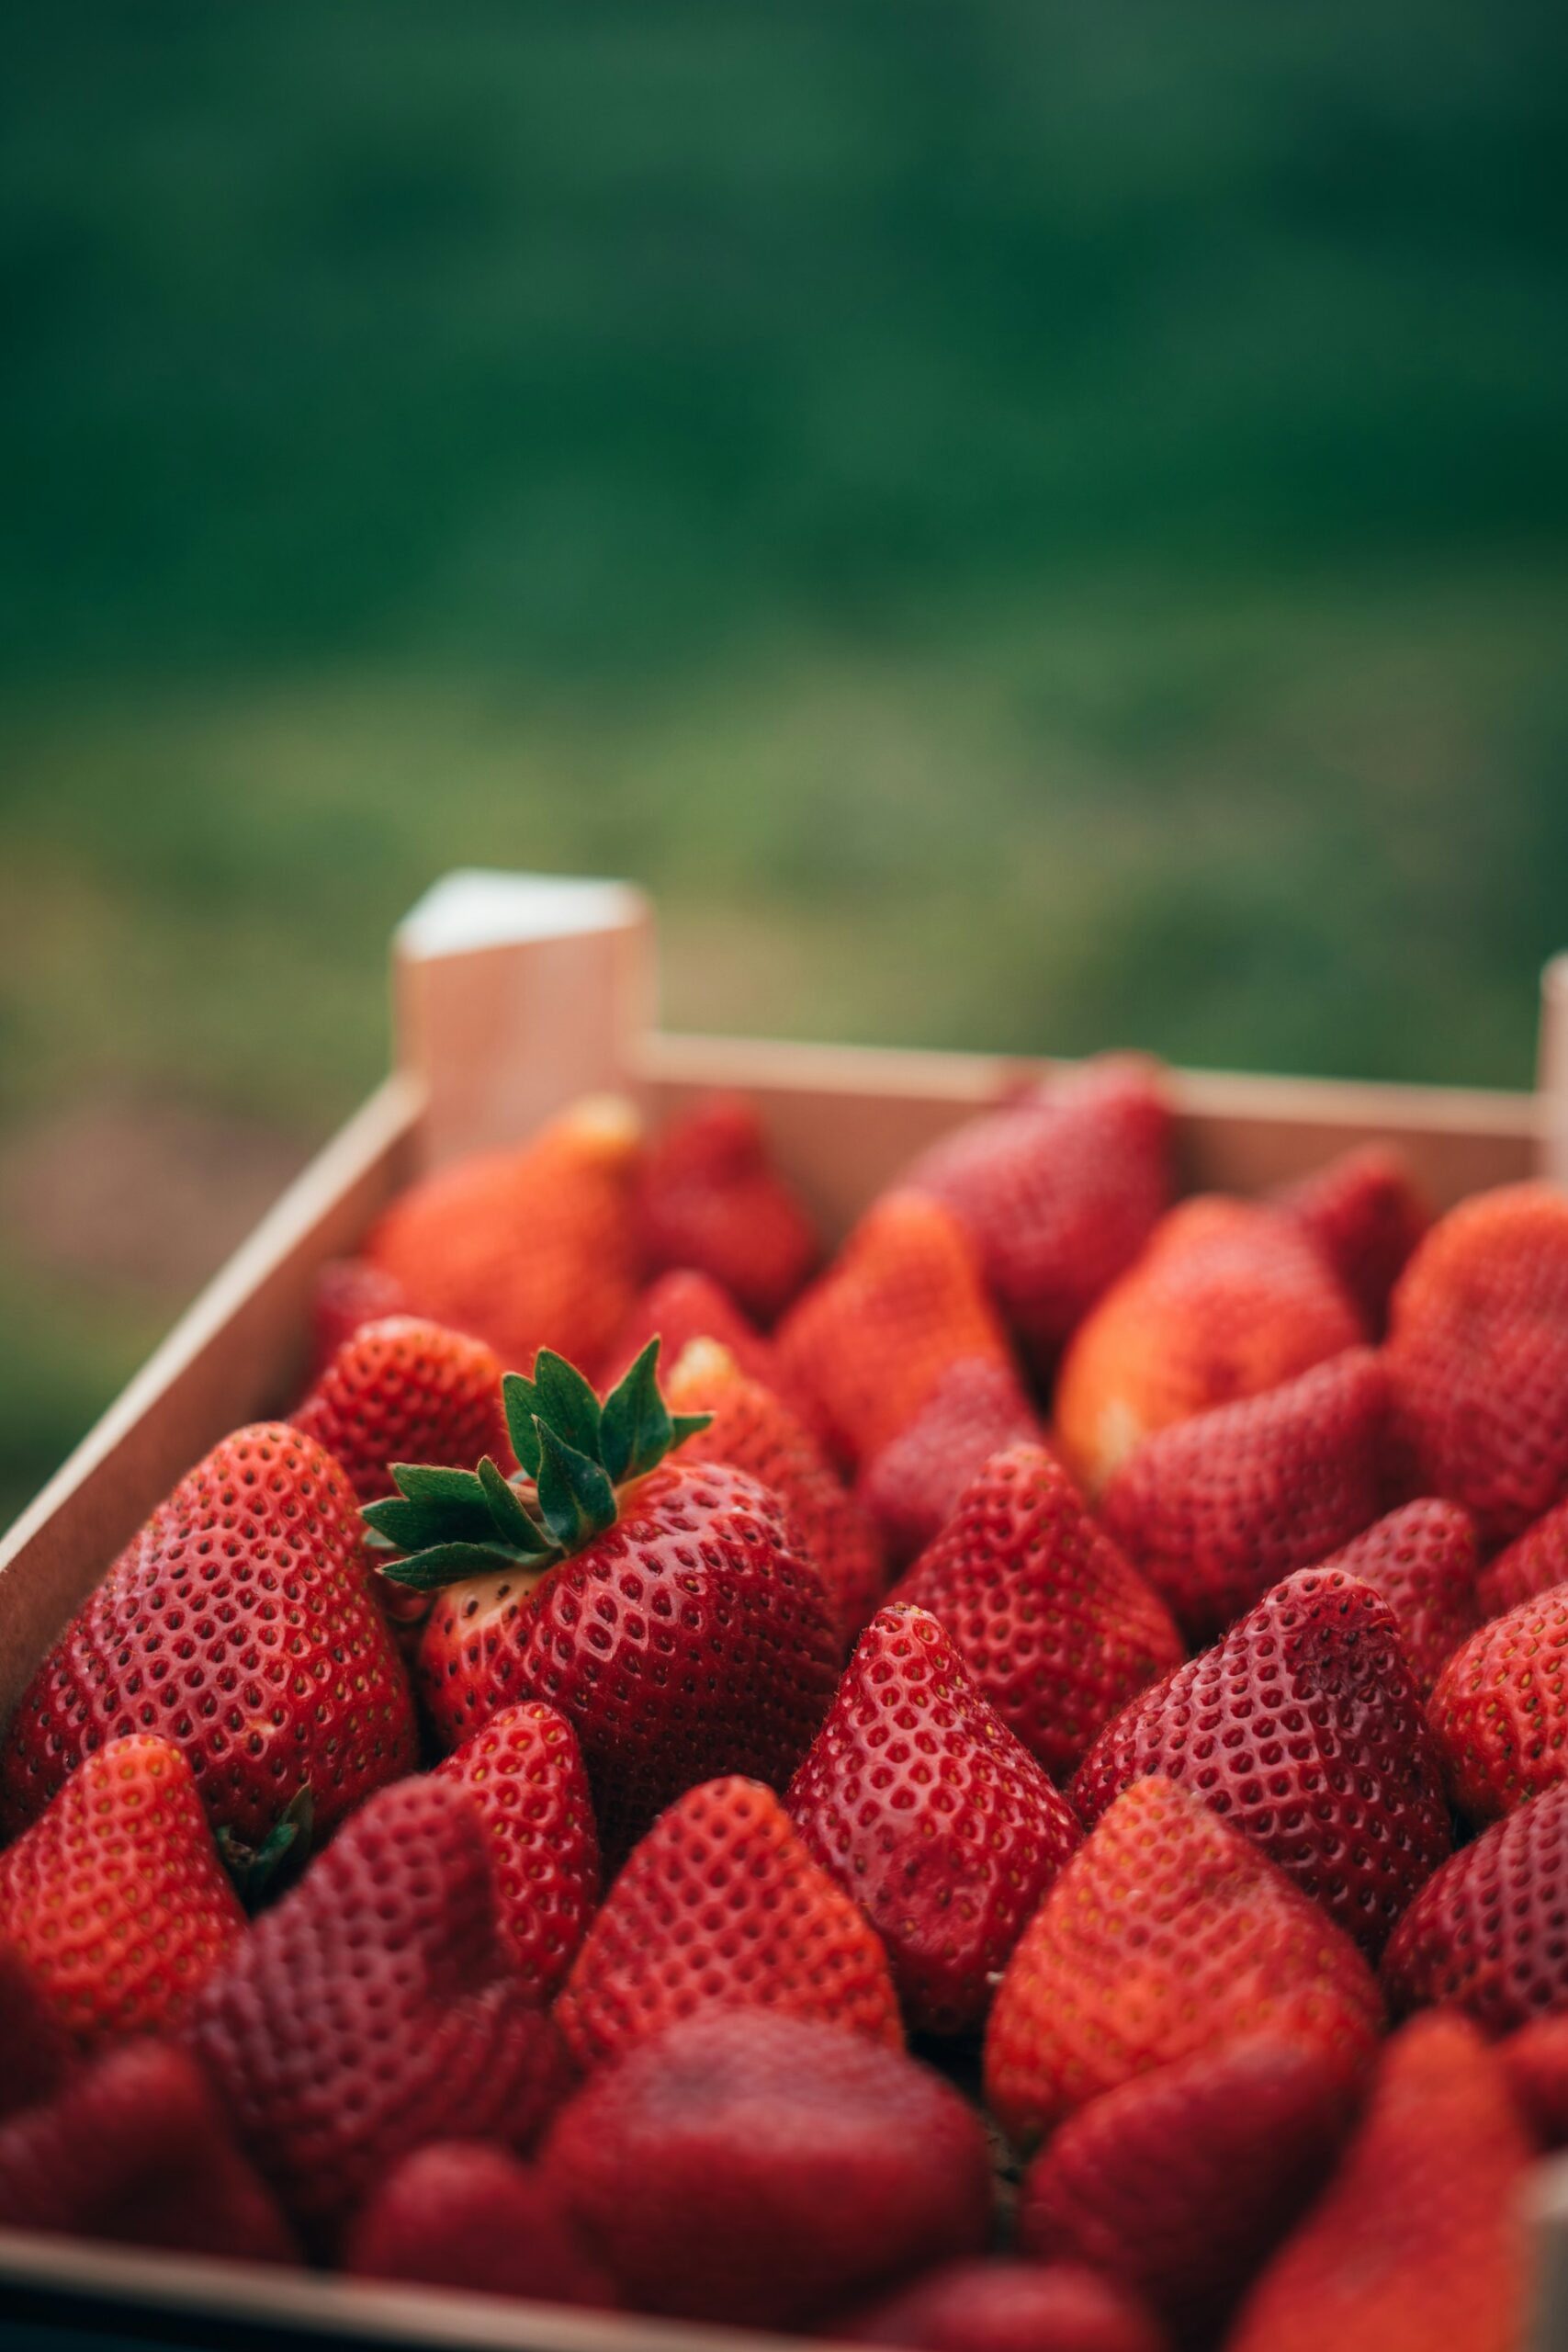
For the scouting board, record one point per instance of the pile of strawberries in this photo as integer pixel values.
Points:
(1007, 1792)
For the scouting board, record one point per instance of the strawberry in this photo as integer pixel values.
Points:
(763, 2169)
(1529, 1566)
(459, 2213)
(1417, 2245)
(1484, 1934)
(1057, 1629)
(1181, 2181)
(1535, 2060)
(686, 1306)
(912, 1487)
(239, 1624)
(722, 1903)
(135, 2149)
(374, 2009)
(1422, 1559)
(918, 1800)
(530, 1246)
(871, 1337)
(1499, 1710)
(523, 1771)
(348, 1294)
(405, 1391)
(1478, 1357)
(1005, 2307)
(1303, 1729)
(35, 2049)
(1363, 1211)
(1219, 1508)
(1058, 1188)
(1166, 1933)
(1228, 1299)
(711, 1197)
(658, 1605)
(116, 1897)
(752, 1430)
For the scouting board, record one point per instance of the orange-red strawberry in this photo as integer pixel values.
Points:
(459, 2213)
(136, 2149)
(912, 1487)
(918, 1799)
(1225, 1504)
(116, 1897)
(1478, 1357)
(1230, 1298)
(348, 1294)
(36, 2053)
(1058, 1188)
(1418, 2242)
(1535, 2060)
(1499, 1710)
(524, 1773)
(239, 1625)
(1303, 1729)
(1532, 1564)
(529, 1247)
(871, 1337)
(1179, 2182)
(1057, 1630)
(659, 1604)
(760, 2169)
(711, 1197)
(1485, 1932)
(1422, 1559)
(404, 1390)
(1168, 1932)
(1365, 1213)
(754, 1430)
(1002, 2306)
(373, 2008)
(721, 1902)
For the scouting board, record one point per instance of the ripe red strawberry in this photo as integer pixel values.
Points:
(1058, 1188)
(711, 1197)
(752, 1430)
(1364, 1213)
(459, 2213)
(721, 1902)
(1499, 1712)
(1532, 1564)
(1478, 1357)
(116, 1897)
(913, 1485)
(524, 1772)
(135, 2149)
(1166, 1933)
(1179, 2182)
(658, 1605)
(873, 1336)
(762, 2169)
(1485, 1932)
(35, 2049)
(1419, 2244)
(374, 2009)
(1005, 2307)
(1303, 1729)
(1057, 1629)
(239, 1624)
(405, 1391)
(1218, 1510)
(1535, 2060)
(528, 1247)
(348, 1294)
(1229, 1299)
(918, 1799)
(1422, 1559)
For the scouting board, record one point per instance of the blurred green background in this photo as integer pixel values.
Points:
(1027, 526)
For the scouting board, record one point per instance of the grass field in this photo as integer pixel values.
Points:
(1027, 526)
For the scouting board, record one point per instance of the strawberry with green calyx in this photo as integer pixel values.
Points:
(658, 1604)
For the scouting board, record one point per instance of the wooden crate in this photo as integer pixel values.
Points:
(513, 993)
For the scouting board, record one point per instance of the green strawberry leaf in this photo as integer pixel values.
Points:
(263, 1873)
(576, 1499)
(521, 1400)
(508, 1512)
(442, 1563)
(635, 1429)
(567, 1403)
(413, 1527)
(428, 1483)
(685, 1425)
